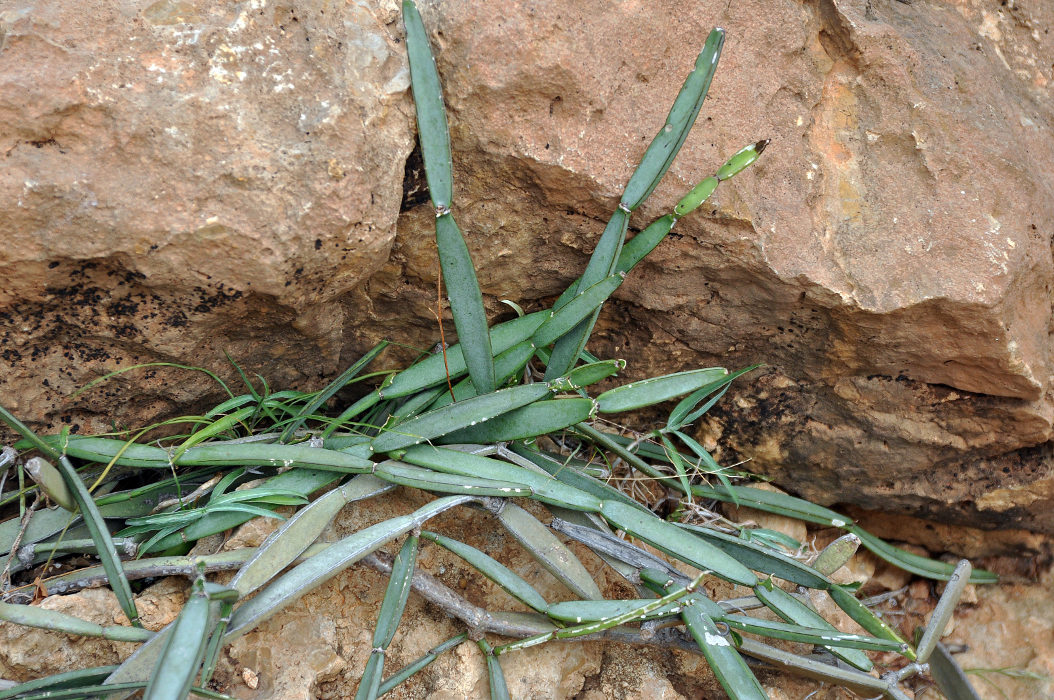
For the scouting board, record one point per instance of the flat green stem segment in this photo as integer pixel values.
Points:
(325, 565)
(942, 614)
(497, 572)
(858, 682)
(59, 681)
(601, 265)
(466, 303)
(664, 147)
(793, 610)
(463, 414)
(549, 551)
(410, 669)
(672, 540)
(183, 650)
(539, 418)
(763, 559)
(728, 666)
(431, 117)
(922, 566)
(543, 487)
(648, 392)
(106, 551)
(296, 534)
(579, 307)
(34, 616)
(429, 480)
(433, 369)
(397, 593)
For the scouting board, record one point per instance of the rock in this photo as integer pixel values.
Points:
(183, 179)
(28, 653)
(1009, 634)
(890, 290)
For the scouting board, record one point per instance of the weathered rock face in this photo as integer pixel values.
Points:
(181, 179)
(185, 178)
(889, 258)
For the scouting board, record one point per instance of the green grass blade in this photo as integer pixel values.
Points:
(463, 414)
(328, 392)
(183, 651)
(648, 392)
(922, 566)
(107, 553)
(302, 481)
(216, 427)
(34, 616)
(497, 572)
(664, 147)
(793, 610)
(549, 551)
(466, 303)
(763, 559)
(539, 418)
(431, 116)
(543, 488)
(778, 503)
(686, 410)
(678, 465)
(397, 593)
(353, 411)
(672, 540)
(294, 536)
(312, 573)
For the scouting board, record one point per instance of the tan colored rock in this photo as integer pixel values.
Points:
(183, 179)
(1011, 627)
(28, 653)
(884, 259)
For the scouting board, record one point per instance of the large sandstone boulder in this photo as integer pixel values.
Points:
(185, 178)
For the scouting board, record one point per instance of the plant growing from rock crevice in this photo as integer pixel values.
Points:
(468, 425)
